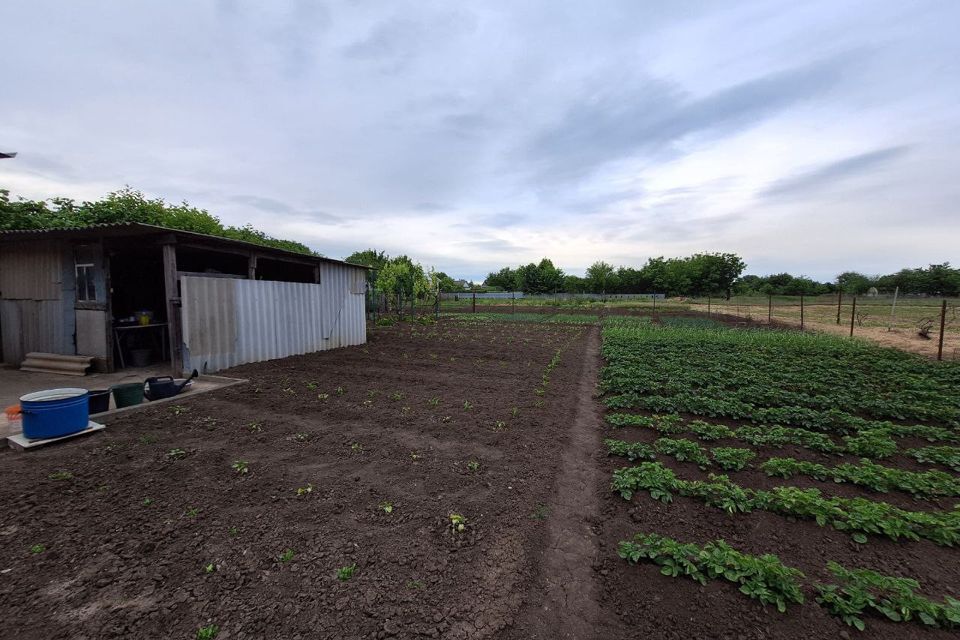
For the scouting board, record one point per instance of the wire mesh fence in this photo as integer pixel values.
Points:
(912, 323)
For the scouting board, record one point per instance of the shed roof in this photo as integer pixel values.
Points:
(126, 229)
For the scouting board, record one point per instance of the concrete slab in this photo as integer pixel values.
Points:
(15, 383)
(19, 443)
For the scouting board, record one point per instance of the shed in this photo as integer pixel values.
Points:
(129, 291)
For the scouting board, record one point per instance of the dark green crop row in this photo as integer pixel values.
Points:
(763, 578)
(827, 421)
(927, 484)
(867, 444)
(808, 380)
(859, 516)
(767, 579)
(682, 450)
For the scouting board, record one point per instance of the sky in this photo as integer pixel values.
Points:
(810, 137)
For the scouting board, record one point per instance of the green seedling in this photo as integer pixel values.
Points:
(176, 454)
(473, 465)
(458, 523)
(178, 409)
(367, 403)
(301, 436)
(386, 506)
(445, 419)
(397, 396)
(356, 447)
(323, 397)
(209, 568)
(345, 573)
(241, 466)
(515, 412)
(61, 475)
(541, 512)
(147, 502)
(147, 438)
(415, 456)
(339, 391)
(37, 548)
(467, 405)
(415, 584)
(312, 386)
(233, 531)
(208, 632)
(433, 402)
(289, 390)
(286, 556)
(193, 512)
(254, 427)
(499, 425)
(302, 491)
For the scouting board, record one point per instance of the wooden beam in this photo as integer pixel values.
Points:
(172, 295)
(252, 267)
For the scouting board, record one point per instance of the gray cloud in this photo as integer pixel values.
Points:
(580, 131)
(805, 185)
(630, 115)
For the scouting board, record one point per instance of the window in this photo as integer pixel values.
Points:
(86, 273)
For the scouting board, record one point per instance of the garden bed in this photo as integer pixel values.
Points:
(313, 501)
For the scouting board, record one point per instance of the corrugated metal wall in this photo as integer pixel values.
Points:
(33, 287)
(228, 321)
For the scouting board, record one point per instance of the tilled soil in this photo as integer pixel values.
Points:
(153, 530)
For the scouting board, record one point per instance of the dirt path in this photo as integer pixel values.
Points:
(567, 604)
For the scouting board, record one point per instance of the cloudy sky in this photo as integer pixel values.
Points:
(810, 137)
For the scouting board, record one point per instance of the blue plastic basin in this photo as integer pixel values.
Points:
(54, 413)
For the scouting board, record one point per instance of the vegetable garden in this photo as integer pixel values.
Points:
(817, 474)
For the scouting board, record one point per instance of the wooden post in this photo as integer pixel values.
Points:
(801, 312)
(893, 308)
(172, 295)
(708, 306)
(853, 315)
(252, 267)
(769, 309)
(474, 301)
(943, 324)
(839, 303)
(513, 301)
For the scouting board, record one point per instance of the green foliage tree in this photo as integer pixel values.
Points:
(128, 205)
(601, 277)
(506, 279)
(403, 280)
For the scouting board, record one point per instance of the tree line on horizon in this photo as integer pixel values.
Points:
(705, 274)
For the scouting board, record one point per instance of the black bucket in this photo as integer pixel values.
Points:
(99, 400)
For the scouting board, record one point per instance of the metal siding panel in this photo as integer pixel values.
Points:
(227, 322)
(31, 271)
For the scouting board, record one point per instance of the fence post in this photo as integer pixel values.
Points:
(769, 309)
(801, 312)
(943, 323)
(839, 303)
(853, 315)
(474, 301)
(654, 304)
(708, 306)
(893, 308)
(513, 301)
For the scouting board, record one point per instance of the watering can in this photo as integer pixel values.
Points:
(165, 386)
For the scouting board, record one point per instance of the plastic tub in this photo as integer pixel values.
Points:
(54, 413)
(127, 395)
(99, 400)
(140, 357)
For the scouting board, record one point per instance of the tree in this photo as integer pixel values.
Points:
(403, 280)
(506, 279)
(601, 277)
(128, 205)
(854, 283)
